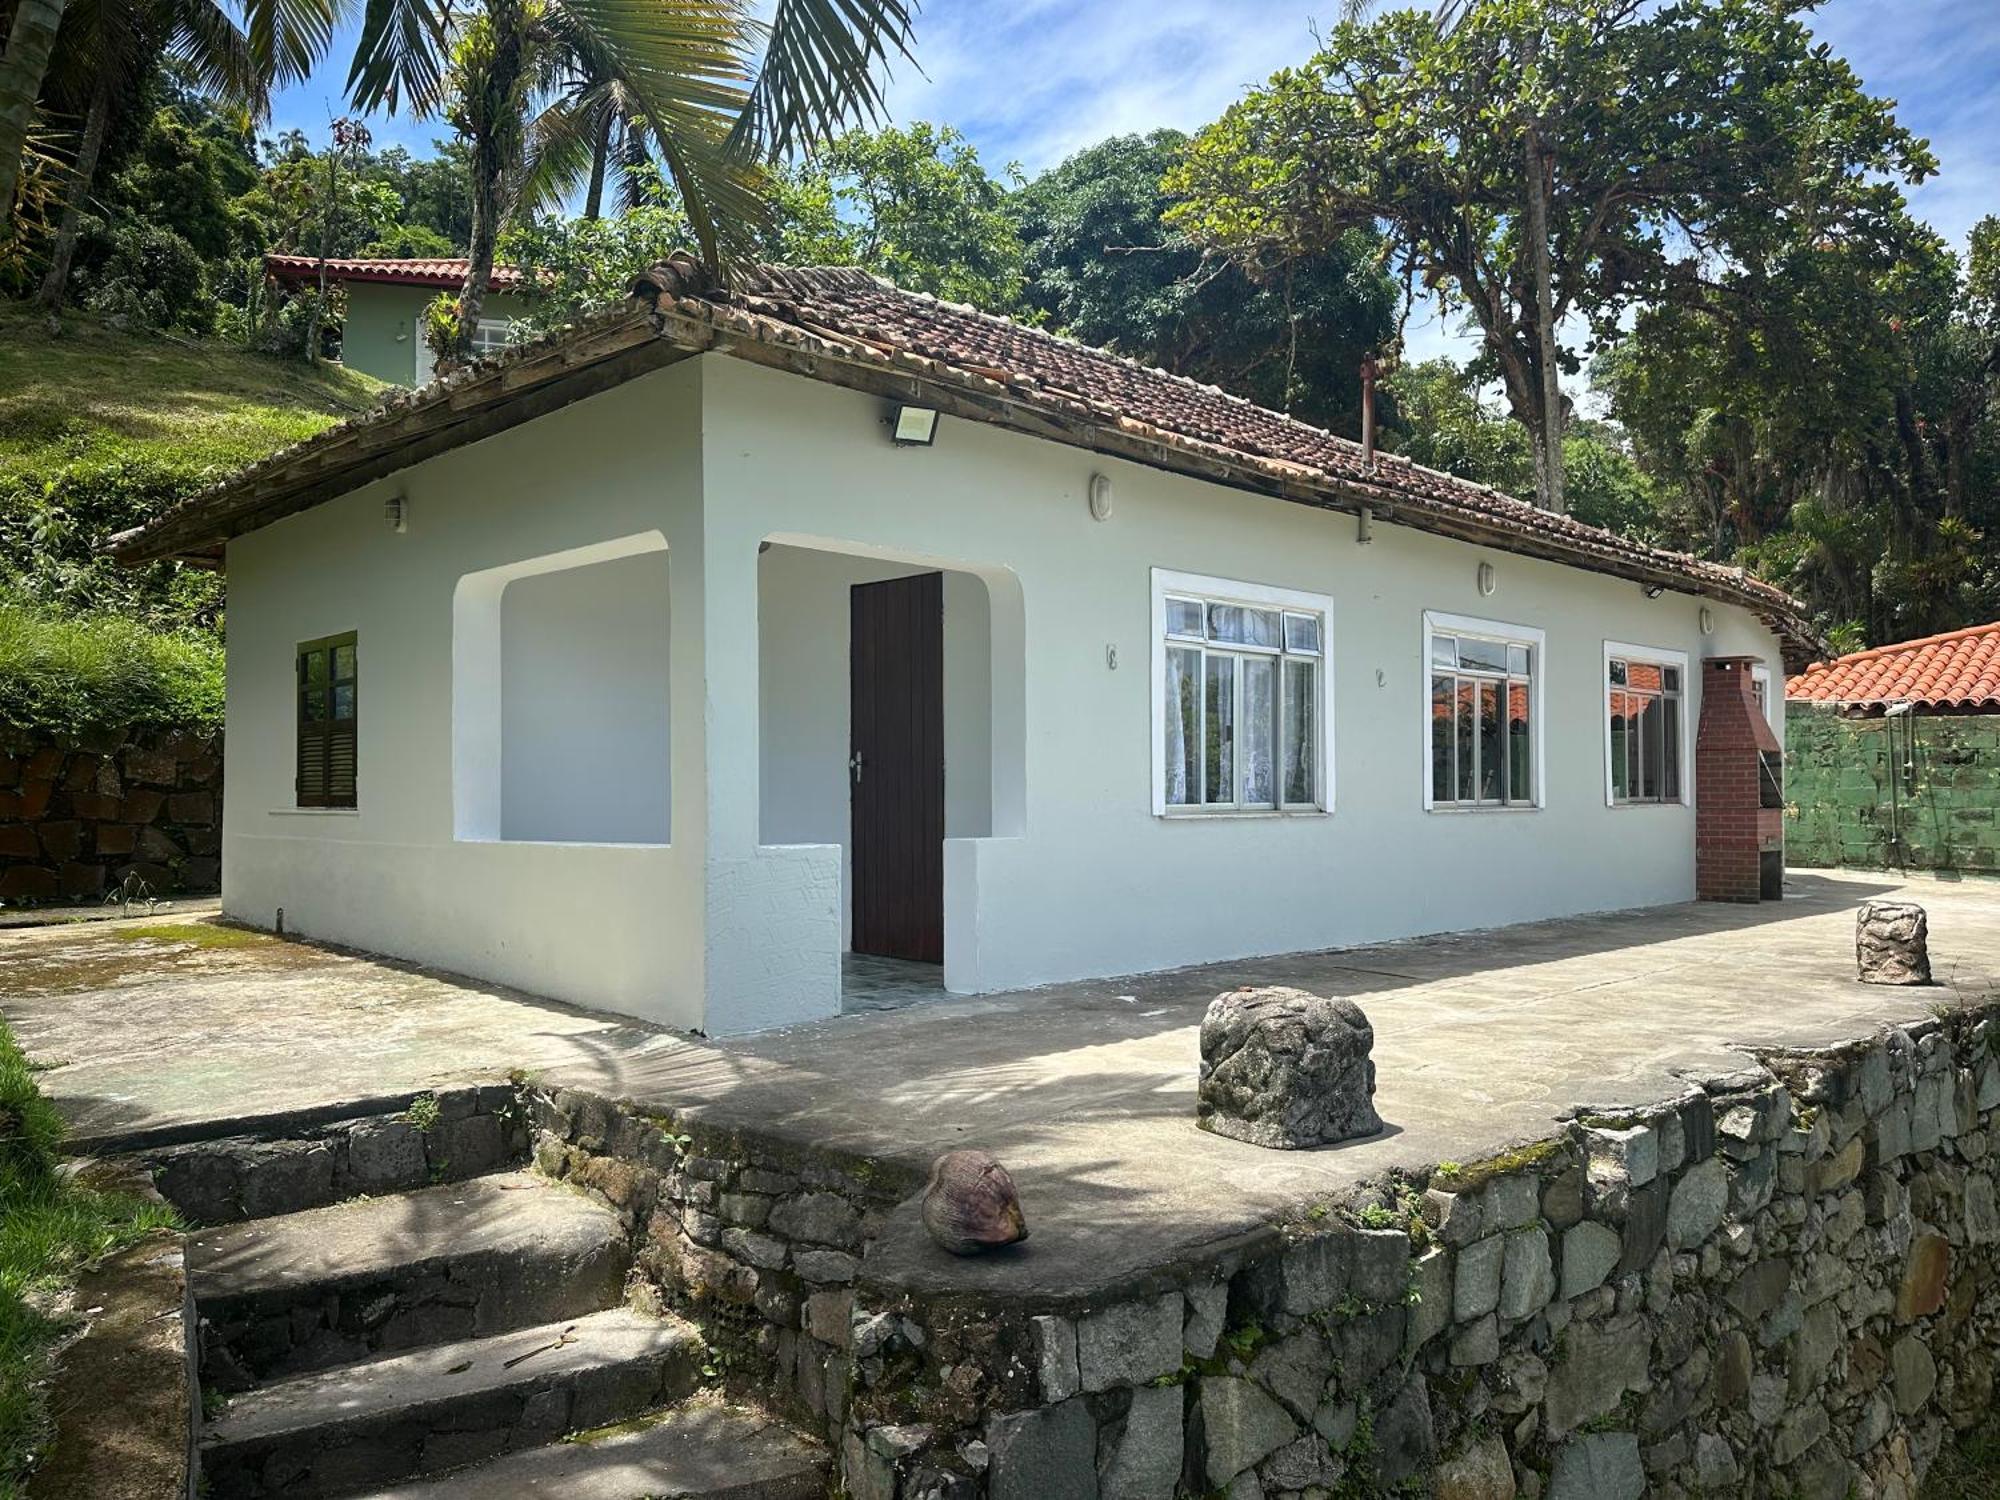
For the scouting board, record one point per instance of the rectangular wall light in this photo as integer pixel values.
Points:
(915, 426)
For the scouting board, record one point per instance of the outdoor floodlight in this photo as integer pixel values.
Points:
(915, 426)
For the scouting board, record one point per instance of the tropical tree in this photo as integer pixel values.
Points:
(719, 93)
(1104, 264)
(914, 204)
(1658, 138)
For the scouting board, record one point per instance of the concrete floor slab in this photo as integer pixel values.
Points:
(1086, 1091)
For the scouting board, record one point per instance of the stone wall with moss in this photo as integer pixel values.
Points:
(1780, 1283)
(1921, 792)
(81, 817)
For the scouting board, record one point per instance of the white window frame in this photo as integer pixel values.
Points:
(1656, 656)
(502, 326)
(1259, 596)
(1439, 622)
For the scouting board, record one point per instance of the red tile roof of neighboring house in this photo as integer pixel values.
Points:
(1959, 670)
(446, 273)
(847, 327)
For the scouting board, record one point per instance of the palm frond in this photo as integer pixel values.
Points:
(400, 56)
(682, 63)
(562, 140)
(289, 37)
(208, 42)
(821, 71)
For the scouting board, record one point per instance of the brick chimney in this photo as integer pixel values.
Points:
(1739, 830)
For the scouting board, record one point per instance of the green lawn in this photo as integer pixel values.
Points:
(50, 1229)
(95, 396)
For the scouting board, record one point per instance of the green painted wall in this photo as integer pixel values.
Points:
(380, 334)
(1917, 792)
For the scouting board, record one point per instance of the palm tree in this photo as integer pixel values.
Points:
(101, 52)
(716, 92)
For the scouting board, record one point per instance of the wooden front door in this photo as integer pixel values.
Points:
(896, 766)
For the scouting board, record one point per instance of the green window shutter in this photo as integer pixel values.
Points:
(328, 743)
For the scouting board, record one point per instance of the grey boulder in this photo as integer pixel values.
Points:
(1286, 1069)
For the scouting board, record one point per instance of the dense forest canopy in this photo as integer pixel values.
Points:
(1756, 352)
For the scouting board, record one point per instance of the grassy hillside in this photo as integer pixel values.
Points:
(101, 430)
(96, 396)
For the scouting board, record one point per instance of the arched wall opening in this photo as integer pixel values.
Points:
(560, 697)
(807, 769)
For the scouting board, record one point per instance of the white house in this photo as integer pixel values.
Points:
(663, 664)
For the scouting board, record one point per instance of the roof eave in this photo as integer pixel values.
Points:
(527, 381)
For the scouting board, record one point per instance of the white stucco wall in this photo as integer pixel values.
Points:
(1093, 882)
(584, 688)
(619, 928)
(1062, 870)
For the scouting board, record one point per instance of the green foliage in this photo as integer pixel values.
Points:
(1104, 265)
(1677, 136)
(915, 205)
(72, 674)
(100, 430)
(51, 1227)
(579, 263)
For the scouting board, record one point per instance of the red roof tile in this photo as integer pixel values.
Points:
(446, 273)
(1957, 670)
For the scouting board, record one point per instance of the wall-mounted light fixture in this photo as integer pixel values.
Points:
(1653, 590)
(914, 426)
(1100, 497)
(1489, 579)
(396, 511)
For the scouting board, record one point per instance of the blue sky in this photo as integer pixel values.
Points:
(1032, 80)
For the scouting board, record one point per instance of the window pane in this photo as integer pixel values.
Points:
(343, 663)
(1302, 633)
(1441, 779)
(315, 668)
(1492, 752)
(1220, 706)
(1465, 713)
(1184, 617)
(343, 700)
(1236, 625)
(1621, 786)
(1260, 726)
(1301, 731)
(1652, 724)
(1517, 660)
(1487, 656)
(1644, 675)
(1618, 672)
(312, 704)
(1673, 675)
(1444, 650)
(1520, 745)
(1183, 728)
(1670, 763)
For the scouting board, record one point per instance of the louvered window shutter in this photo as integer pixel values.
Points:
(328, 691)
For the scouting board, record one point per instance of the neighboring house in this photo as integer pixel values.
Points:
(383, 333)
(1894, 756)
(660, 664)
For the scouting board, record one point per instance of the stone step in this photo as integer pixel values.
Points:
(284, 1164)
(701, 1450)
(313, 1290)
(431, 1410)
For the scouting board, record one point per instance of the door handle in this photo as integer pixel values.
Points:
(854, 767)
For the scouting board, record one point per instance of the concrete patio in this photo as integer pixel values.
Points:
(166, 1031)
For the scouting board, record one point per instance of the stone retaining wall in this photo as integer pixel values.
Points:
(1918, 793)
(1781, 1283)
(77, 819)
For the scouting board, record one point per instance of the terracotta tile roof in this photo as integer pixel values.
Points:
(847, 327)
(444, 273)
(1959, 670)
